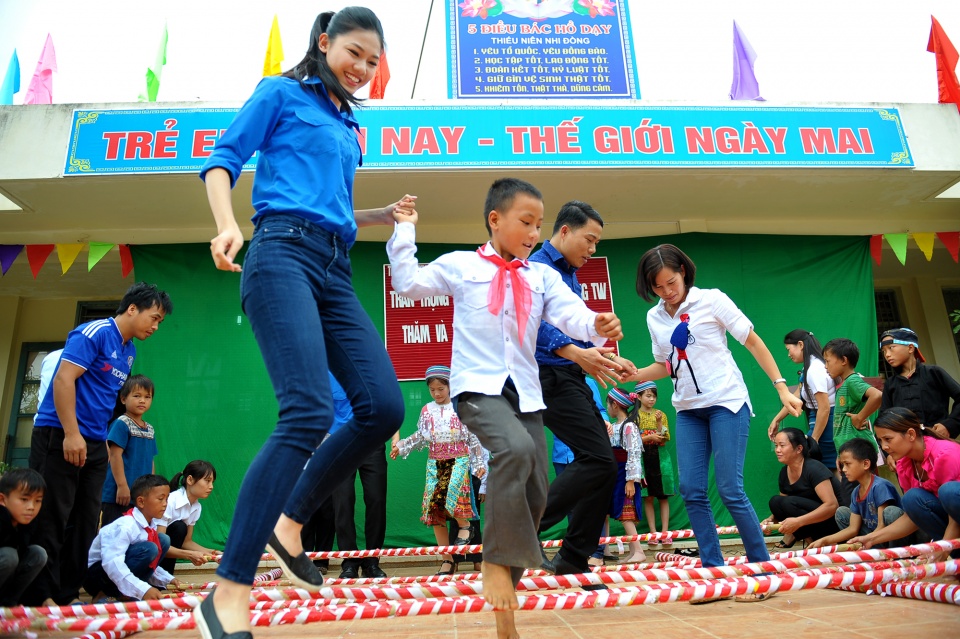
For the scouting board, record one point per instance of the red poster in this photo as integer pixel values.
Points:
(420, 333)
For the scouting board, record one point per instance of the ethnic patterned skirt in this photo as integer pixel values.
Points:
(448, 492)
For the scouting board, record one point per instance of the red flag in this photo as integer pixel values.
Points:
(946, 54)
(37, 255)
(378, 86)
(126, 260)
(952, 241)
(876, 248)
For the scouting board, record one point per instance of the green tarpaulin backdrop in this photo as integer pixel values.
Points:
(214, 400)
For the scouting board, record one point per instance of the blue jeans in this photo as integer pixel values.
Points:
(297, 292)
(138, 558)
(890, 515)
(722, 434)
(930, 512)
(828, 449)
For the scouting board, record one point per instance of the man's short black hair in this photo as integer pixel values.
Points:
(501, 194)
(27, 480)
(575, 215)
(145, 483)
(145, 296)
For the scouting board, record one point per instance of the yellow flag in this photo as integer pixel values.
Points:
(271, 63)
(68, 254)
(925, 242)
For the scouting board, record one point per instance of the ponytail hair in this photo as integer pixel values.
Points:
(900, 420)
(314, 63)
(808, 446)
(811, 350)
(198, 469)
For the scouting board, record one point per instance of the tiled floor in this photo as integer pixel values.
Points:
(813, 614)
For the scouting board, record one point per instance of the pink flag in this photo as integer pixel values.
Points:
(40, 90)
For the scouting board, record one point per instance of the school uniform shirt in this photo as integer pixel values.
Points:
(927, 393)
(880, 493)
(98, 348)
(940, 463)
(308, 154)
(819, 381)
(47, 368)
(179, 508)
(712, 316)
(486, 347)
(110, 548)
(139, 447)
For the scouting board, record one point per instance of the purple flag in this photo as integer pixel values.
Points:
(8, 253)
(745, 85)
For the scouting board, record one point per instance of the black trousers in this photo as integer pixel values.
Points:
(583, 489)
(318, 533)
(177, 532)
(373, 480)
(782, 506)
(67, 523)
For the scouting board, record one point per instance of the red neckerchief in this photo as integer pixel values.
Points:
(153, 536)
(498, 290)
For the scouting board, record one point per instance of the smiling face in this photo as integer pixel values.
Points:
(784, 450)
(515, 231)
(137, 402)
(795, 352)
(23, 506)
(353, 57)
(578, 245)
(669, 286)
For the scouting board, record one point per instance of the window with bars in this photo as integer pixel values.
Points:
(888, 317)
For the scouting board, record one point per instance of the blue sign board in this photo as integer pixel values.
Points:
(494, 136)
(540, 49)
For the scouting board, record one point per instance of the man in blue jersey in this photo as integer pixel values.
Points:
(68, 446)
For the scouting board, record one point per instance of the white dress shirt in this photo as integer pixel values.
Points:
(179, 508)
(820, 382)
(486, 349)
(712, 316)
(110, 548)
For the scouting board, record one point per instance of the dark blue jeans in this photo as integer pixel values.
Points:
(138, 558)
(717, 432)
(931, 513)
(297, 292)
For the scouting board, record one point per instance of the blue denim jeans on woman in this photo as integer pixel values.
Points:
(722, 434)
(297, 292)
(931, 512)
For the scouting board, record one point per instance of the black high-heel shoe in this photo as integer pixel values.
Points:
(299, 570)
(447, 573)
(463, 541)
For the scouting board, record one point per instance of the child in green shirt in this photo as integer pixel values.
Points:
(856, 399)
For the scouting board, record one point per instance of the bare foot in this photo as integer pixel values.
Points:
(498, 588)
(635, 558)
(506, 629)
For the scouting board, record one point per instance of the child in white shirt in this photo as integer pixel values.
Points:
(124, 559)
(499, 300)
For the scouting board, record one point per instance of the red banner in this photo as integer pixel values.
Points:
(419, 333)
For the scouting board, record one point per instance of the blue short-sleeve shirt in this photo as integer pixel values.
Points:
(99, 349)
(139, 448)
(881, 493)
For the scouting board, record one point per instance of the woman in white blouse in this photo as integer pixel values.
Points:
(689, 329)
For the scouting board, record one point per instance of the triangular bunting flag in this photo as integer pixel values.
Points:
(155, 72)
(68, 254)
(37, 255)
(952, 242)
(11, 81)
(876, 248)
(898, 242)
(8, 253)
(126, 260)
(745, 85)
(40, 90)
(947, 57)
(925, 242)
(97, 251)
(271, 63)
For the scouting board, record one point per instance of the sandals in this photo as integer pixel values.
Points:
(447, 573)
(753, 597)
(781, 545)
(463, 541)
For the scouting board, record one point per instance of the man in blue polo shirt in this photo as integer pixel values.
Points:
(68, 446)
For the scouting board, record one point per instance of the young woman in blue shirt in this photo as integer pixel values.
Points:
(296, 291)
